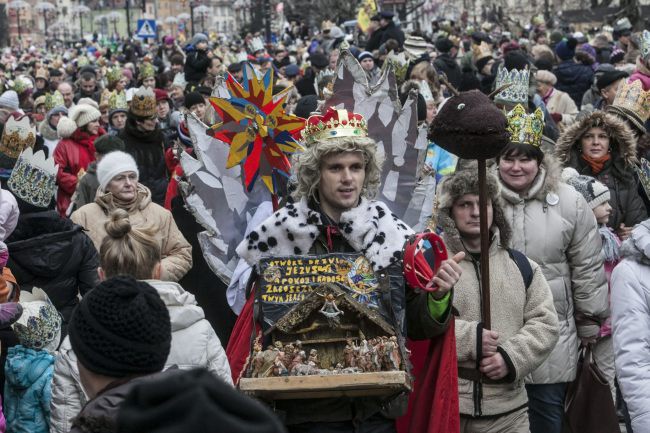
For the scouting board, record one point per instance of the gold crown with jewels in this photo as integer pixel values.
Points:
(525, 128)
(143, 103)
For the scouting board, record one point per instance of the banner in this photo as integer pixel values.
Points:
(285, 281)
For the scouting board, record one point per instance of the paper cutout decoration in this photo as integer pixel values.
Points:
(258, 130)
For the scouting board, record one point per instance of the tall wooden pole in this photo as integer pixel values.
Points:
(485, 243)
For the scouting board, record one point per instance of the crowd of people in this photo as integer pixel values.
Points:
(111, 320)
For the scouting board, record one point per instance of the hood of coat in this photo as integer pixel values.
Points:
(547, 180)
(25, 366)
(181, 304)
(637, 246)
(622, 141)
(47, 131)
(42, 243)
(455, 186)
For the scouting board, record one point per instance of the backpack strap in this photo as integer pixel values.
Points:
(523, 264)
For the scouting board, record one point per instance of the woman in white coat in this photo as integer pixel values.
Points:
(553, 225)
(631, 324)
(132, 251)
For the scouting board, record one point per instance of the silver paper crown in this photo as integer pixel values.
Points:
(39, 327)
(256, 44)
(645, 45)
(517, 92)
(33, 178)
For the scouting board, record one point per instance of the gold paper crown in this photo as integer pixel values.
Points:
(117, 101)
(17, 135)
(82, 61)
(114, 75)
(632, 99)
(334, 124)
(20, 84)
(33, 179)
(103, 99)
(54, 99)
(525, 128)
(143, 103)
(147, 70)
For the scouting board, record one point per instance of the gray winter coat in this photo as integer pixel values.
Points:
(631, 325)
(553, 226)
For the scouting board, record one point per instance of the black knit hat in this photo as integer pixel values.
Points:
(192, 401)
(193, 98)
(108, 143)
(121, 328)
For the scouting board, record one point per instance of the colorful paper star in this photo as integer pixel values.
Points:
(258, 130)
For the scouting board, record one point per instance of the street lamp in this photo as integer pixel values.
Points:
(114, 17)
(80, 11)
(98, 20)
(172, 21)
(203, 11)
(18, 6)
(45, 8)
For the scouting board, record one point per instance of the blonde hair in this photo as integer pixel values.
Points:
(127, 250)
(307, 165)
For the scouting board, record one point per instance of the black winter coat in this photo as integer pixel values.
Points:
(391, 31)
(196, 66)
(574, 79)
(148, 150)
(54, 254)
(448, 65)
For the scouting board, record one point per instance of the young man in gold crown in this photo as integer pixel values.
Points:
(338, 175)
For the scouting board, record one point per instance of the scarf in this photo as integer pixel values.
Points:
(596, 164)
(548, 96)
(108, 202)
(154, 137)
(611, 243)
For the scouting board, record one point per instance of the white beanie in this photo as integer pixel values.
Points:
(9, 100)
(83, 114)
(112, 164)
(66, 127)
(88, 101)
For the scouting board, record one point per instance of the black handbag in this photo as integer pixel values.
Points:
(588, 405)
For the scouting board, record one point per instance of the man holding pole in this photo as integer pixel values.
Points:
(492, 363)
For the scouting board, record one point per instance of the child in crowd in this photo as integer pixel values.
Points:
(9, 313)
(597, 196)
(30, 365)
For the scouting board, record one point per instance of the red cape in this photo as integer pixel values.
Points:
(433, 404)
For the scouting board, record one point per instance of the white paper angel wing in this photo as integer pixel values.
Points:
(216, 196)
(396, 132)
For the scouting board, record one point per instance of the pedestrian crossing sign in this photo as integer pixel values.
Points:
(146, 29)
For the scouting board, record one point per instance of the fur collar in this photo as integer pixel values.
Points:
(500, 230)
(546, 181)
(637, 246)
(369, 228)
(47, 131)
(622, 141)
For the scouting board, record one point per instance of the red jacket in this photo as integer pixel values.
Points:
(72, 155)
